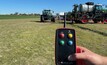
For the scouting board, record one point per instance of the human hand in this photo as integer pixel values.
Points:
(87, 57)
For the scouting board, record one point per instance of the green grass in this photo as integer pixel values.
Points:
(17, 16)
(95, 27)
(29, 42)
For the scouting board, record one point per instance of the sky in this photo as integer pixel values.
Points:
(36, 6)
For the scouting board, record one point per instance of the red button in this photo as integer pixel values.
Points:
(61, 35)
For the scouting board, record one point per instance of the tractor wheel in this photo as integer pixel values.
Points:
(53, 19)
(97, 19)
(105, 21)
(84, 19)
(42, 18)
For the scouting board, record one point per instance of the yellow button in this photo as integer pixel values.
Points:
(70, 35)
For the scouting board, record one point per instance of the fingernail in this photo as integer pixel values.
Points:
(71, 58)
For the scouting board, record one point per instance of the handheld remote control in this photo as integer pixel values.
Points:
(65, 45)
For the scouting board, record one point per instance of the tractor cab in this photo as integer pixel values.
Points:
(47, 15)
(47, 12)
(98, 8)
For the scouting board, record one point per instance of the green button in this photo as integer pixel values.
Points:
(62, 42)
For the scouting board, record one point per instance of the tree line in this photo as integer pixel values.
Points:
(29, 14)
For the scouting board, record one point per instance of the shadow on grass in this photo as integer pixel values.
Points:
(95, 31)
(63, 22)
(42, 22)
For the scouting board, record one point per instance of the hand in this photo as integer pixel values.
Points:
(87, 57)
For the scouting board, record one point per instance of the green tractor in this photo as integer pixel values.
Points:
(47, 15)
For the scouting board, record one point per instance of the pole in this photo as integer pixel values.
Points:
(64, 20)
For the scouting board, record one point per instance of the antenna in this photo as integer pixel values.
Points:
(64, 20)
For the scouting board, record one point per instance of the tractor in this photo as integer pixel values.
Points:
(47, 15)
(83, 13)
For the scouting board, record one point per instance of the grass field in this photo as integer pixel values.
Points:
(17, 16)
(29, 42)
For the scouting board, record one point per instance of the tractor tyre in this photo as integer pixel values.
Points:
(42, 18)
(53, 19)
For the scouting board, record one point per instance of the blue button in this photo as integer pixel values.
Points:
(70, 43)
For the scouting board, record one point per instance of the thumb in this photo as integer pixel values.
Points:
(80, 56)
(77, 56)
